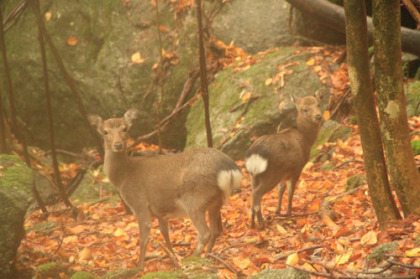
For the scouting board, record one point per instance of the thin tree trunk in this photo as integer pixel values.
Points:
(358, 65)
(404, 175)
(203, 75)
(37, 12)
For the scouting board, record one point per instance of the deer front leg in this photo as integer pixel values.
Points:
(143, 218)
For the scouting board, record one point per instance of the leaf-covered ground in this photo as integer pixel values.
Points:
(332, 231)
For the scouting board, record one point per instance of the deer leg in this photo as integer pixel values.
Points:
(163, 225)
(144, 229)
(282, 188)
(257, 194)
(291, 186)
(198, 218)
(215, 223)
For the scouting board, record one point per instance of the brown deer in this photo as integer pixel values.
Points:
(166, 186)
(280, 158)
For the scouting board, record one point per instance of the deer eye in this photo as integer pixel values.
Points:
(106, 132)
(125, 129)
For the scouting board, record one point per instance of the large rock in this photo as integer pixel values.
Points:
(15, 197)
(106, 34)
(412, 93)
(254, 25)
(234, 130)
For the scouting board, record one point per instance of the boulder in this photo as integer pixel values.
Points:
(412, 94)
(109, 49)
(236, 121)
(254, 25)
(15, 197)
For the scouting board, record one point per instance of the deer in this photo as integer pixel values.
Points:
(190, 183)
(278, 159)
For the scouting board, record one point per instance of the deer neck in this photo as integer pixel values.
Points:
(309, 132)
(115, 166)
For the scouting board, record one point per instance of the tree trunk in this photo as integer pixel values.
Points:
(358, 65)
(404, 175)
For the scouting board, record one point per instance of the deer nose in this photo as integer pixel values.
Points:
(118, 145)
(318, 117)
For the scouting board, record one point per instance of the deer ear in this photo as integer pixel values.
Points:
(96, 122)
(319, 94)
(294, 98)
(131, 115)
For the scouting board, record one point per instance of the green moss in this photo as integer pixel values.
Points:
(412, 91)
(287, 273)
(415, 144)
(164, 275)
(52, 270)
(380, 252)
(122, 273)
(355, 181)
(82, 275)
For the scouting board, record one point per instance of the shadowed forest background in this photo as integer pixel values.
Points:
(215, 73)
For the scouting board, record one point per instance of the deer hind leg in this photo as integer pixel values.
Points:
(198, 218)
(257, 193)
(215, 222)
(282, 188)
(163, 225)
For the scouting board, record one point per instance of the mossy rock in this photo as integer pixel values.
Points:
(100, 64)
(15, 198)
(121, 273)
(287, 273)
(355, 181)
(90, 189)
(380, 252)
(412, 93)
(83, 275)
(259, 117)
(415, 144)
(165, 275)
(50, 270)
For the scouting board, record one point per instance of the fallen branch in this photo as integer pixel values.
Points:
(333, 16)
(223, 262)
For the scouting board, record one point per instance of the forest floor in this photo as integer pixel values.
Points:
(345, 243)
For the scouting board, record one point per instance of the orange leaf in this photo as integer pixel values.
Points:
(72, 41)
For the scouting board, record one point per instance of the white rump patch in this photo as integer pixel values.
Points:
(255, 164)
(229, 180)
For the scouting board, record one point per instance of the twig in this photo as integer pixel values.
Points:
(403, 264)
(171, 255)
(223, 262)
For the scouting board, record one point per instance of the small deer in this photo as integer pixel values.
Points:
(280, 158)
(166, 186)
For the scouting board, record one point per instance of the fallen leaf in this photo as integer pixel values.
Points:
(72, 41)
(293, 259)
(85, 254)
(310, 62)
(48, 16)
(415, 252)
(241, 262)
(136, 58)
(268, 81)
(342, 259)
(369, 238)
